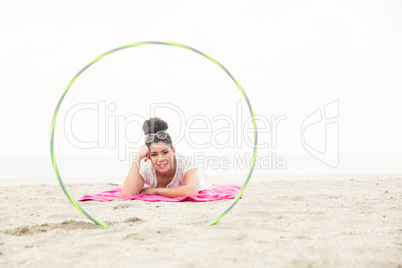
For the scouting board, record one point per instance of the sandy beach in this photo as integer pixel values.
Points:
(351, 222)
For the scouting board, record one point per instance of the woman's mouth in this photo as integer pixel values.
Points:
(163, 165)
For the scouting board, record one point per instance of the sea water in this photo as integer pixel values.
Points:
(89, 170)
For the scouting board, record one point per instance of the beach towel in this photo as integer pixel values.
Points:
(212, 194)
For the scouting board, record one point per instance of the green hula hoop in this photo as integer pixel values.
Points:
(89, 216)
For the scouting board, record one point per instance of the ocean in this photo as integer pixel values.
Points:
(88, 170)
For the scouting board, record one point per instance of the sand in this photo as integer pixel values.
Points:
(353, 222)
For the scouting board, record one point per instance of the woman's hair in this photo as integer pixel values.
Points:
(153, 125)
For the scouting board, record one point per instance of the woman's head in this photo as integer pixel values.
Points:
(156, 129)
(161, 150)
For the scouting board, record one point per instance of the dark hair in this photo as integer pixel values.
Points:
(153, 125)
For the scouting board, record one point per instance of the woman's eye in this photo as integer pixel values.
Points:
(165, 152)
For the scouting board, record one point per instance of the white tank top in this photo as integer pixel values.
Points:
(183, 164)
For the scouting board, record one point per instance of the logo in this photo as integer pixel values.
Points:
(320, 134)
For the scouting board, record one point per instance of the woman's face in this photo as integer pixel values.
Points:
(162, 156)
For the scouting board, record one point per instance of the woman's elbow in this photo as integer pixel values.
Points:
(192, 191)
(125, 194)
(128, 192)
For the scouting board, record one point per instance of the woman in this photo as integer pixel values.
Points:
(158, 165)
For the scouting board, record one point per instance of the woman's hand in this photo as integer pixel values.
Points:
(143, 153)
(190, 187)
(149, 190)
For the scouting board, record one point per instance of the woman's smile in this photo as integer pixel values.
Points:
(164, 164)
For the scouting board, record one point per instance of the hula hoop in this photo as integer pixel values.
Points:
(89, 216)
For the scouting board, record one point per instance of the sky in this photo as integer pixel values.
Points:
(322, 76)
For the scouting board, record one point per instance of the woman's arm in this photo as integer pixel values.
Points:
(134, 181)
(190, 187)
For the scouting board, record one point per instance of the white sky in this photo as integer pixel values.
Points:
(291, 57)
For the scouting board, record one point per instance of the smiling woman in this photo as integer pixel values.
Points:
(158, 165)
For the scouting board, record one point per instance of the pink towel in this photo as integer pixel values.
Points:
(211, 194)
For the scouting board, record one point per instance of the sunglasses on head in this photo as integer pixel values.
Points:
(151, 136)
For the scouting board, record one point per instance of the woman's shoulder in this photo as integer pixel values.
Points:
(146, 165)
